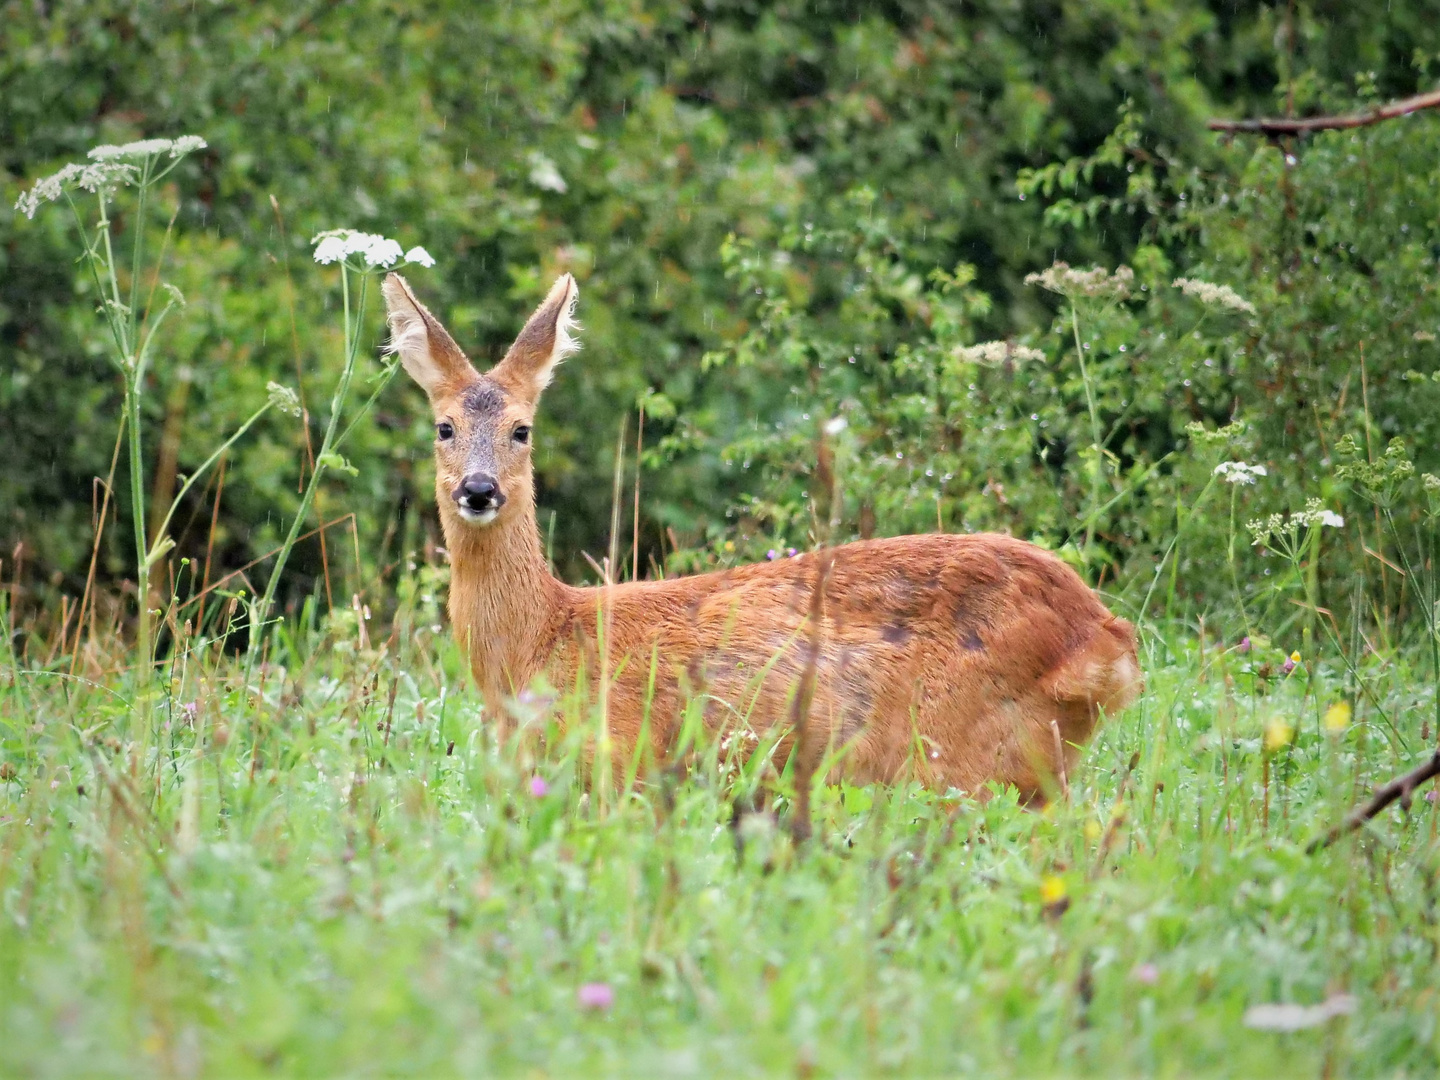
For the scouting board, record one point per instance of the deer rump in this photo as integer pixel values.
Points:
(950, 654)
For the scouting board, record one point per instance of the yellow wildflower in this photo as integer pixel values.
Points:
(1052, 889)
(1278, 734)
(1337, 717)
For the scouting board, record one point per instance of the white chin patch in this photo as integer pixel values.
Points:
(480, 517)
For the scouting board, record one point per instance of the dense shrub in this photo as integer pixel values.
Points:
(875, 148)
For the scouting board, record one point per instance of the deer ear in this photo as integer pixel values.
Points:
(545, 341)
(426, 350)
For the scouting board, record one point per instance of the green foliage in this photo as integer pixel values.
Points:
(990, 251)
(336, 871)
(623, 143)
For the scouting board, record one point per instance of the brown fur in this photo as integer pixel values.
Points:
(965, 646)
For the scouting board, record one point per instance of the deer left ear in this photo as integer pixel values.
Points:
(426, 349)
(546, 340)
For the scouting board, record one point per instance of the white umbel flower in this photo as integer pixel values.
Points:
(107, 169)
(337, 245)
(96, 176)
(994, 353)
(1237, 472)
(1214, 295)
(329, 249)
(1096, 283)
(544, 174)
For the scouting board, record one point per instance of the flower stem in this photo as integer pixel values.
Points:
(1097, 468)
(337, 403)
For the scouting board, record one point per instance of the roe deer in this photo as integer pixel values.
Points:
(978, 648)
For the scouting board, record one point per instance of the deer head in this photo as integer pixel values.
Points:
(483, 472)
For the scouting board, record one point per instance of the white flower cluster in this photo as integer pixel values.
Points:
(995, 353)
(1096, 283)
(545, 175)
(1314, 516)
(92, 177)
(149, 148)
(337, 245)
(1237, 472)
(106, 170)
(1214, 295)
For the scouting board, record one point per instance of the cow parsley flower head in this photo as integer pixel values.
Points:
(996, 353)
(337, 245)
(96, 176)
(1237, 472)
(545, 175)
(108, 168)
(1316, 516)
(1096, 283)
(1279, 531)
(1214, 295)
(175, 148)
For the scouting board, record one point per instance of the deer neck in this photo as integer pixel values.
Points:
(503, 600)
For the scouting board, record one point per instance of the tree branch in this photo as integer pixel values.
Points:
(1282, 126)
(1402, 788)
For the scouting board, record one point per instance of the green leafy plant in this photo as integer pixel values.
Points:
(129, 312)
(358, 255)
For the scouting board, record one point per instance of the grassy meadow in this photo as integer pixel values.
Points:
(846, 271)
(330, 868)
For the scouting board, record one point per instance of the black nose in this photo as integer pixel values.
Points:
(479, 493)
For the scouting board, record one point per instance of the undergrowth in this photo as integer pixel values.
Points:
(331, 869)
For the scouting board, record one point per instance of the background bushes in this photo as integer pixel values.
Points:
(886, 175)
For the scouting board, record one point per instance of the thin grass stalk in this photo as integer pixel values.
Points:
(602, 770)
(352, 337)
(300, 392)
(86, 596)
(1097, 473)
(801, 825)
(635, 526)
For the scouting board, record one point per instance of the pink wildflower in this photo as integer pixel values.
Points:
(1148, 974)
(598, 996)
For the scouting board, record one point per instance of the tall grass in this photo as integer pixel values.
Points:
(347, 874)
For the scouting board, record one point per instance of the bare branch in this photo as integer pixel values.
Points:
(1402, 788)
(1284, 126)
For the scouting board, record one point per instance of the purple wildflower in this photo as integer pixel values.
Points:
(1147, 974)
(538, 787)
(1288, 666)
(770, 554)
(598, 996)
(1244, 646)
(791, 552)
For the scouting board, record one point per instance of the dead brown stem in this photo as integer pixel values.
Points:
(1401, 788)
(1287, 126)
(1060, 760)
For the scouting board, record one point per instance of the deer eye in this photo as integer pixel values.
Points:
(522, 434)
(444, 430)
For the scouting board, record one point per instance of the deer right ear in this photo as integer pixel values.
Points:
(426, 350)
